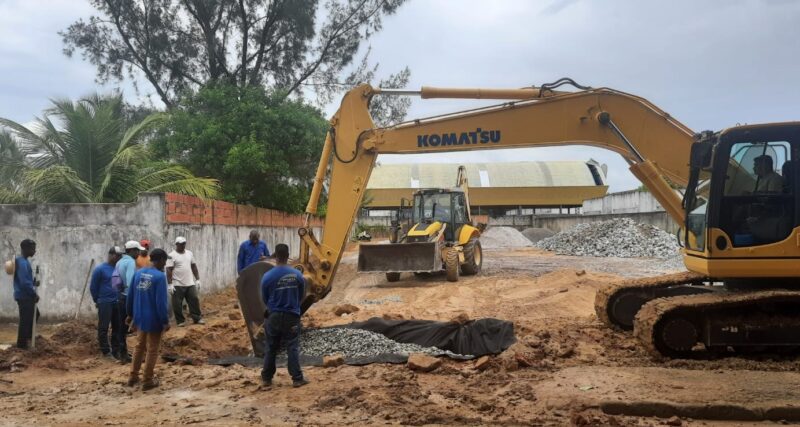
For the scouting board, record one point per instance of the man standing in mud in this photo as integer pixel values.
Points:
(25, 293)
(148, 313)
(282, 289)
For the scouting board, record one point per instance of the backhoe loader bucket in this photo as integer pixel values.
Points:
(399, 257)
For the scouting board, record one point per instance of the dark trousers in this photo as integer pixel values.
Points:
(122, 313)
(25, 330)
(190, 294)
(282, 328)
(108, 316)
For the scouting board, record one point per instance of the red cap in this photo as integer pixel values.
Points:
(145, 243)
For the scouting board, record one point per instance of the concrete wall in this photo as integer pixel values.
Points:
(634, 201)
(69, 236)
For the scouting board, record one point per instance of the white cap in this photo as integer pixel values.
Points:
(133, 244)
(180, 239)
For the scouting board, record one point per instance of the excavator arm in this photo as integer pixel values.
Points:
(532, 117)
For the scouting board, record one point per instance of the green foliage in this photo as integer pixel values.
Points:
(88, 151)
(263, 148)
(181, 45)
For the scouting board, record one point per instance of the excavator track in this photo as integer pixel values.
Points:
(643, 289)
(747, 320)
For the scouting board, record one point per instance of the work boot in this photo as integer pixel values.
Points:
(132, 381)
(299, 383)
(109, 356)
(200, 322)
(181, 324)
(266, 383)
(149, 385)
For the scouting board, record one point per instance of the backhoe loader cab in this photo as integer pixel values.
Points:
(440, 236)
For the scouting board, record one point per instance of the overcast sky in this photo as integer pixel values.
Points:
(710, 64)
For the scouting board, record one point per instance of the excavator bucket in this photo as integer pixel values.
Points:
(399, 257)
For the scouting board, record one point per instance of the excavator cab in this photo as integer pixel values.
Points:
(749, 174)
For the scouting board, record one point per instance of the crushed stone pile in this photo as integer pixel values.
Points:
(357, 343)
(619, 237)
(503, 237)
(534, 234)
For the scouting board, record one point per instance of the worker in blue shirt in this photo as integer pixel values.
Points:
(126, 267)
(282, 289)
(251, 251)
(105, 298)
(148, 313)
(25, 293)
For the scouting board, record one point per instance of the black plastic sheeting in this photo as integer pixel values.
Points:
(476, 338)
(472, 339)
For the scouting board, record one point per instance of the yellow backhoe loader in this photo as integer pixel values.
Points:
(740, 211)
(442, 236)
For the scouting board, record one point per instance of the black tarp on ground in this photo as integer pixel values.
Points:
(474, 338)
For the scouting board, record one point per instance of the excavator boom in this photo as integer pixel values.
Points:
(532, 117)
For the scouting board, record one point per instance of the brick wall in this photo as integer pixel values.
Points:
(180, 209)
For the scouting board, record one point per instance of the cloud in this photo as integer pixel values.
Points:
(710, 64)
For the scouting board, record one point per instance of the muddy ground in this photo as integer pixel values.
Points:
(566, 368)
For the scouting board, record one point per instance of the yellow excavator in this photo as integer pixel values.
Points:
(442, 236)
(740, 211)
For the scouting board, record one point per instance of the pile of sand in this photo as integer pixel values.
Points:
(503, 237)
(534, 234)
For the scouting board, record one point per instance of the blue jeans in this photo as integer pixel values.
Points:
(108, 316)
(282, 328)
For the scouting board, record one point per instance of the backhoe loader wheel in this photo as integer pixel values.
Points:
(392, 276)
(473, 257)
(451, 265)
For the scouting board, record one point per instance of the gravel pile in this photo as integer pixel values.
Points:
(620, 237)
(534, 234)
(356, 343)
(503, 237)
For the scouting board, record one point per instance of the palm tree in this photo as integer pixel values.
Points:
(85, 152)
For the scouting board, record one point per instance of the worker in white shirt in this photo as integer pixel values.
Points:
(184, 280)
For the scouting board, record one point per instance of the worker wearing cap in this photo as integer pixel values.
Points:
(105, 299)
(282, 289)
(148, 314)
(127, 268)
(184, 280)
(25, 292)
(143, 260)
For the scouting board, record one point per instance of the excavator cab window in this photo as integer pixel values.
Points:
(758, 204)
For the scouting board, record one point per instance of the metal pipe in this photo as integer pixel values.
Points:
(428, 92)
(605, 118)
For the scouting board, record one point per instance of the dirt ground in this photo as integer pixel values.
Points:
(565, 369)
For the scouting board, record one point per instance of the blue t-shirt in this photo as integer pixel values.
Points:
(250, 253)
(100, 286)
(147, 300)
(282, 289)
(23, 280)
(126, 267)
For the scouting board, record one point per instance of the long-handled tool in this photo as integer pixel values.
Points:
(33, 329)
(83, 292)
